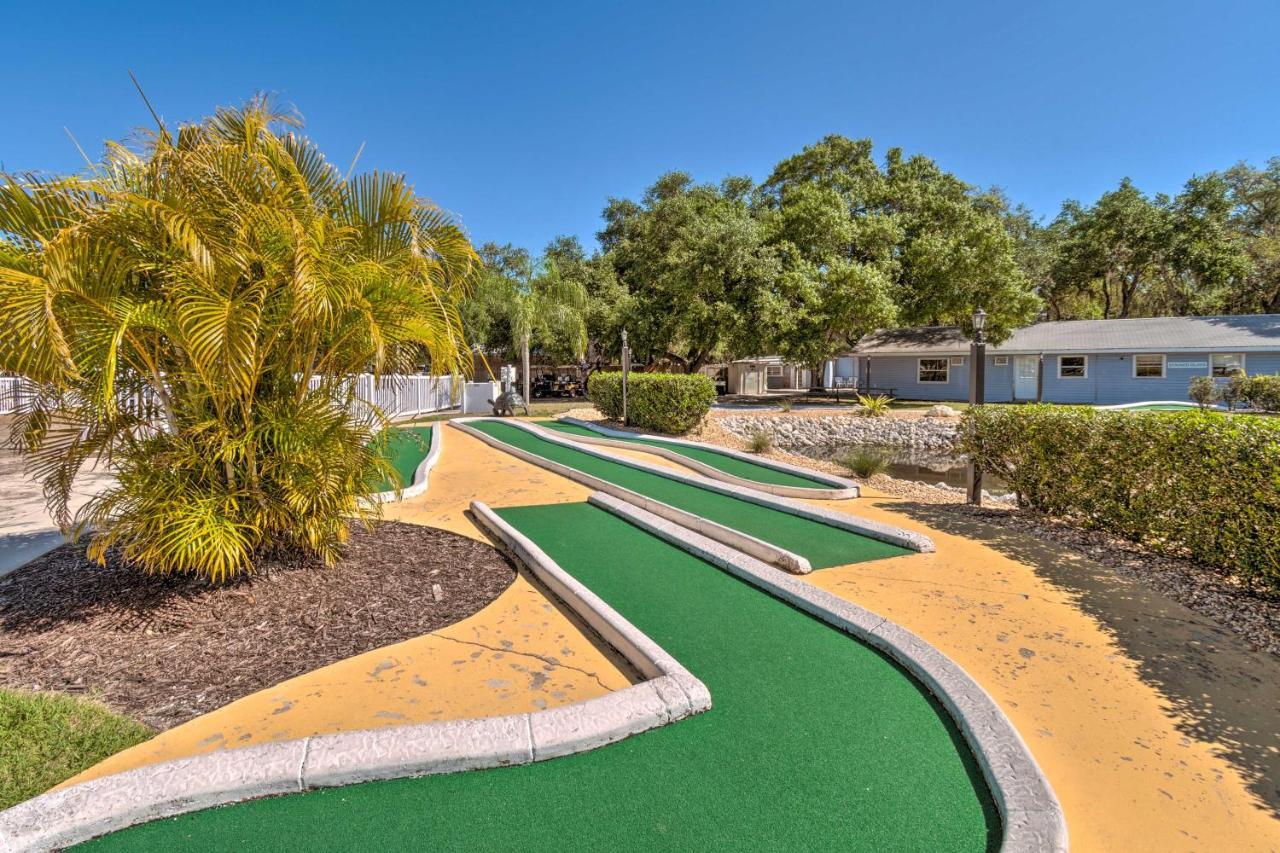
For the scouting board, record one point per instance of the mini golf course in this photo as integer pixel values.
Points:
(406, 447)
(741, 468)
(815, 742)
(821, 544)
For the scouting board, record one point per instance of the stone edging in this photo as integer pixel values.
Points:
(866, 527)
(419, 484)
(745, 542)
(1030, 813)
(99, 806)
(838, 488)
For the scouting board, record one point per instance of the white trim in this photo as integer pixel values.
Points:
(999, 361)
(419, 484)
(946, 368)
(1163, 364)
(1084, 375)
(1243, 365)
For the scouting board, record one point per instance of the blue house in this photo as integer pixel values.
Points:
(1098, 362)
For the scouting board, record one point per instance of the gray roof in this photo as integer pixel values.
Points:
(1241, 333)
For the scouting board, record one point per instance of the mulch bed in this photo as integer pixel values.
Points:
(165, 650)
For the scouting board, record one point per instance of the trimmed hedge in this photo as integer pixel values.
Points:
(664, 402)
(1196, 484)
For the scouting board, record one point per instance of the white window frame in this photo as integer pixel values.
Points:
(946, 368)
(1000, 361)
(1163, 364)
(773, 370)
(1213, 355)
(1084, 375)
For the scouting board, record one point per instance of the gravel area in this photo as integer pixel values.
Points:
(165, 650)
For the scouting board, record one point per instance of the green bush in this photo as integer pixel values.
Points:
(1264, 393)
(663, 402)
(865, 462)
(761, 441)
(1236, 390)
(1204, 392)
(1197, 484)
(874, 407)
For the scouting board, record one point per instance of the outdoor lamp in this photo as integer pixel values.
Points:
(979, 320)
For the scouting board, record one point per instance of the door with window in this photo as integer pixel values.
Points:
(1025, 377)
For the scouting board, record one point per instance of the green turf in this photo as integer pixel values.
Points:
(743, 468)
(407, 447)
(821, 544)
(816, 742)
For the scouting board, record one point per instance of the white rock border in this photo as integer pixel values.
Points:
(872, 529)
(838, 488)
(419, 484)
(99, 806)
(1031, 815)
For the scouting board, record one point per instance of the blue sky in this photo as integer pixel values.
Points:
(522, 118)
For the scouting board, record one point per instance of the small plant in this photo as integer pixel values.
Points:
(865, 462)
(1204, 392)
(1237, 390)
(874, 407)
(761, 441)
(785, 404)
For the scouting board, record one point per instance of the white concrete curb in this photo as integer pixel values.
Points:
(745, 542)
(1031, 815)
(838, 488)
(419, 484)
(866, 527)
(80, 812)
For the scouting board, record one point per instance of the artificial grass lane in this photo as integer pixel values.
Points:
(406, 447)
(815, 742)
(821, 544)
(743, 468)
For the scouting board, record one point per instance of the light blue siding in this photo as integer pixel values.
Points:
(1110, 378)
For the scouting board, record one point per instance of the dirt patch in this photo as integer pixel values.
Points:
(165, 650)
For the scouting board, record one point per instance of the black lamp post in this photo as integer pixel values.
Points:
(977, 393)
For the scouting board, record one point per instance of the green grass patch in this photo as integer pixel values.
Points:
(815, 742)
(729, 464)
(406, 447)
(821, 544)
(47, 738)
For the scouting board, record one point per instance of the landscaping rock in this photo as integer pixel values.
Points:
(941, 411)
(932, 434)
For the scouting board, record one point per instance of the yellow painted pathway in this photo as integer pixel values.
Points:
(1157, 729)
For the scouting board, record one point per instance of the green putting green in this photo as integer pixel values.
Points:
(742, 468)
(406, 447)
(821, 544)
(815, 742)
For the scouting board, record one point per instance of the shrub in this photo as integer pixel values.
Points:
(1204, 391)
(1236, 390)
(865, 462)
(761, 441)
(1264, 393)
(874, 407)
(785, 404)
(663, 402)
(1198, 484)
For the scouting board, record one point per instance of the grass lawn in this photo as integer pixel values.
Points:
(50, 737)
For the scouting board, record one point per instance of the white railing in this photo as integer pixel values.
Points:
(399, 396)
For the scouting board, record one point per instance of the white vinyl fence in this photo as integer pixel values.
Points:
(400, 396)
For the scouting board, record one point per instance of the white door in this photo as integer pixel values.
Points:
(1024, 382)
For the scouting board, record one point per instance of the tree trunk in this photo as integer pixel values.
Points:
(524, 359)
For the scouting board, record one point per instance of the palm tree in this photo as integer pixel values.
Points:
(540, 306)
(194, 310)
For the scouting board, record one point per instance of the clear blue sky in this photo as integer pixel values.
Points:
(522, 118)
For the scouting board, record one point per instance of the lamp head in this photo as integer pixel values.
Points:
(979, 320)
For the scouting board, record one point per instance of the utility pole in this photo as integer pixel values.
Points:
(626, 369)
(977, 394)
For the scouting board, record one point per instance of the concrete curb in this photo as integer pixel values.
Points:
(99, 806)
(758, 548)
(1031, 815)
(419, 484)
(839, 488)
(866, 527)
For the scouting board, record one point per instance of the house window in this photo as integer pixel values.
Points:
(1073, 366)
(1000, 361)
(957, 361)
(1148, 367)
(773, 370)
(1226, 363)
(933, 371)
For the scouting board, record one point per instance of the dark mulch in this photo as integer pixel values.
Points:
(165, 650)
